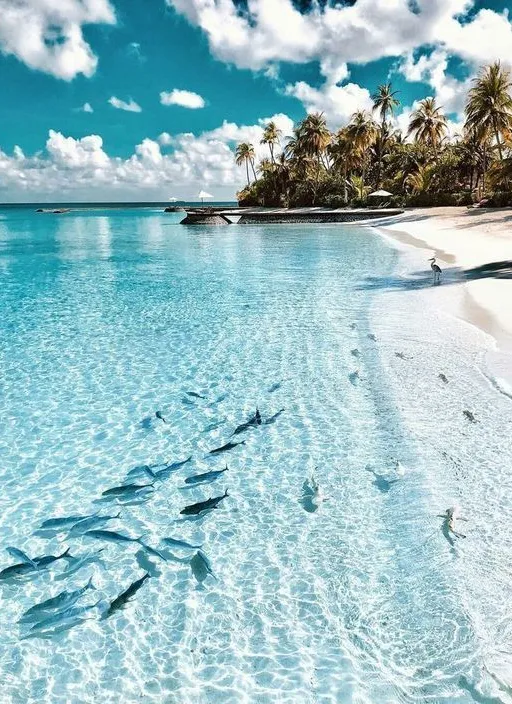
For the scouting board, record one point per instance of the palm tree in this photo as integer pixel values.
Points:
(245, 153)
(385, 102)
(421, 180)
(271, 136)
(362, 132)
(428, 124)
(344, 156)
(314, 135)
(489, 106)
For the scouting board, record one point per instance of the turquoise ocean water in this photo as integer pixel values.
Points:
(110, 316)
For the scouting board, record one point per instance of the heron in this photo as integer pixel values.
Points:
(436, 269)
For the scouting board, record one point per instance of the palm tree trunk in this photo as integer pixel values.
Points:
(497, 135)
(253, 171)
(247, 170)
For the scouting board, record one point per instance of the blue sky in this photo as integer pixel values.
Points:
(240, 62)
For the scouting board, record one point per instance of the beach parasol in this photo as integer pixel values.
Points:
(203, 195)
(172, 199)
(380, 194)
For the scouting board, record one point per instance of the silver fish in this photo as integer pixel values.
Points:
(93, 522)
(80, 563)
(125, 489)
(123, 598)
(175, 543)
(66, 615)
(61, 601)
(111, 536)
(20, 555)
(64, 521)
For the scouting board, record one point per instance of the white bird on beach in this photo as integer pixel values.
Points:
(436, 269)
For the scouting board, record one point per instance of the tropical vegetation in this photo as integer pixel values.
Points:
(424, 166)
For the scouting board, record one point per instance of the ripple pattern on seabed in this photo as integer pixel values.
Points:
(110, 317)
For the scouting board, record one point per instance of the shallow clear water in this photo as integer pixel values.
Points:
(109, 317)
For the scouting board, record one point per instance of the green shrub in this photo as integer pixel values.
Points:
(499, 199)
(335, 201)
(437, 200)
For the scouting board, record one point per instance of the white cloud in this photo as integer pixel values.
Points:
(449, 92)
(184, 98)
(47, 34)
(131, 106)
(338, 103)
(164, 139)
(272, 31)
(70, 153)
(86, 107)
(81, 169)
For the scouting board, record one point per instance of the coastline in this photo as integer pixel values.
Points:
(474, 249)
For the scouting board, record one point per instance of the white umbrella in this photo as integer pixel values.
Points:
(203, 195)
(172, 199)
(380, 194)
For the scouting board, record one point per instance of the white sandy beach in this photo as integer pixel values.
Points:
(464, 240)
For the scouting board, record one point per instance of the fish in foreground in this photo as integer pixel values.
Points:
(167, 471)
(153, 551)
(48, 634)
(159, 415)
(193, 394)
(25, 567)
(469, 416)
(63, 521)
(226, 447)
(401, 355)
(46, 560)
(251, 423)
(111, 536)
(93, 522)
(62, 600)
(81, 562)
(175, 543)
(20, 555)
(201, 566)
(142, 469)
(273, 418)
(68, 614)
(443, 378)
(274, 387)
(372, 337)
(126, 489)
(123, 598)
(195, 509)
(355, 353)
(206, 476)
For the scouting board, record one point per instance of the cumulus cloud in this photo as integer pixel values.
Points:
(338, 103)
(335, 34)
(47, 34)
(184, 98)
(86, 107)
(432, 69)
(82, 169)
(164, 139)
(272, 31)
(130, 106)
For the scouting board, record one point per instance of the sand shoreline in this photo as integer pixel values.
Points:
(473, 248)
